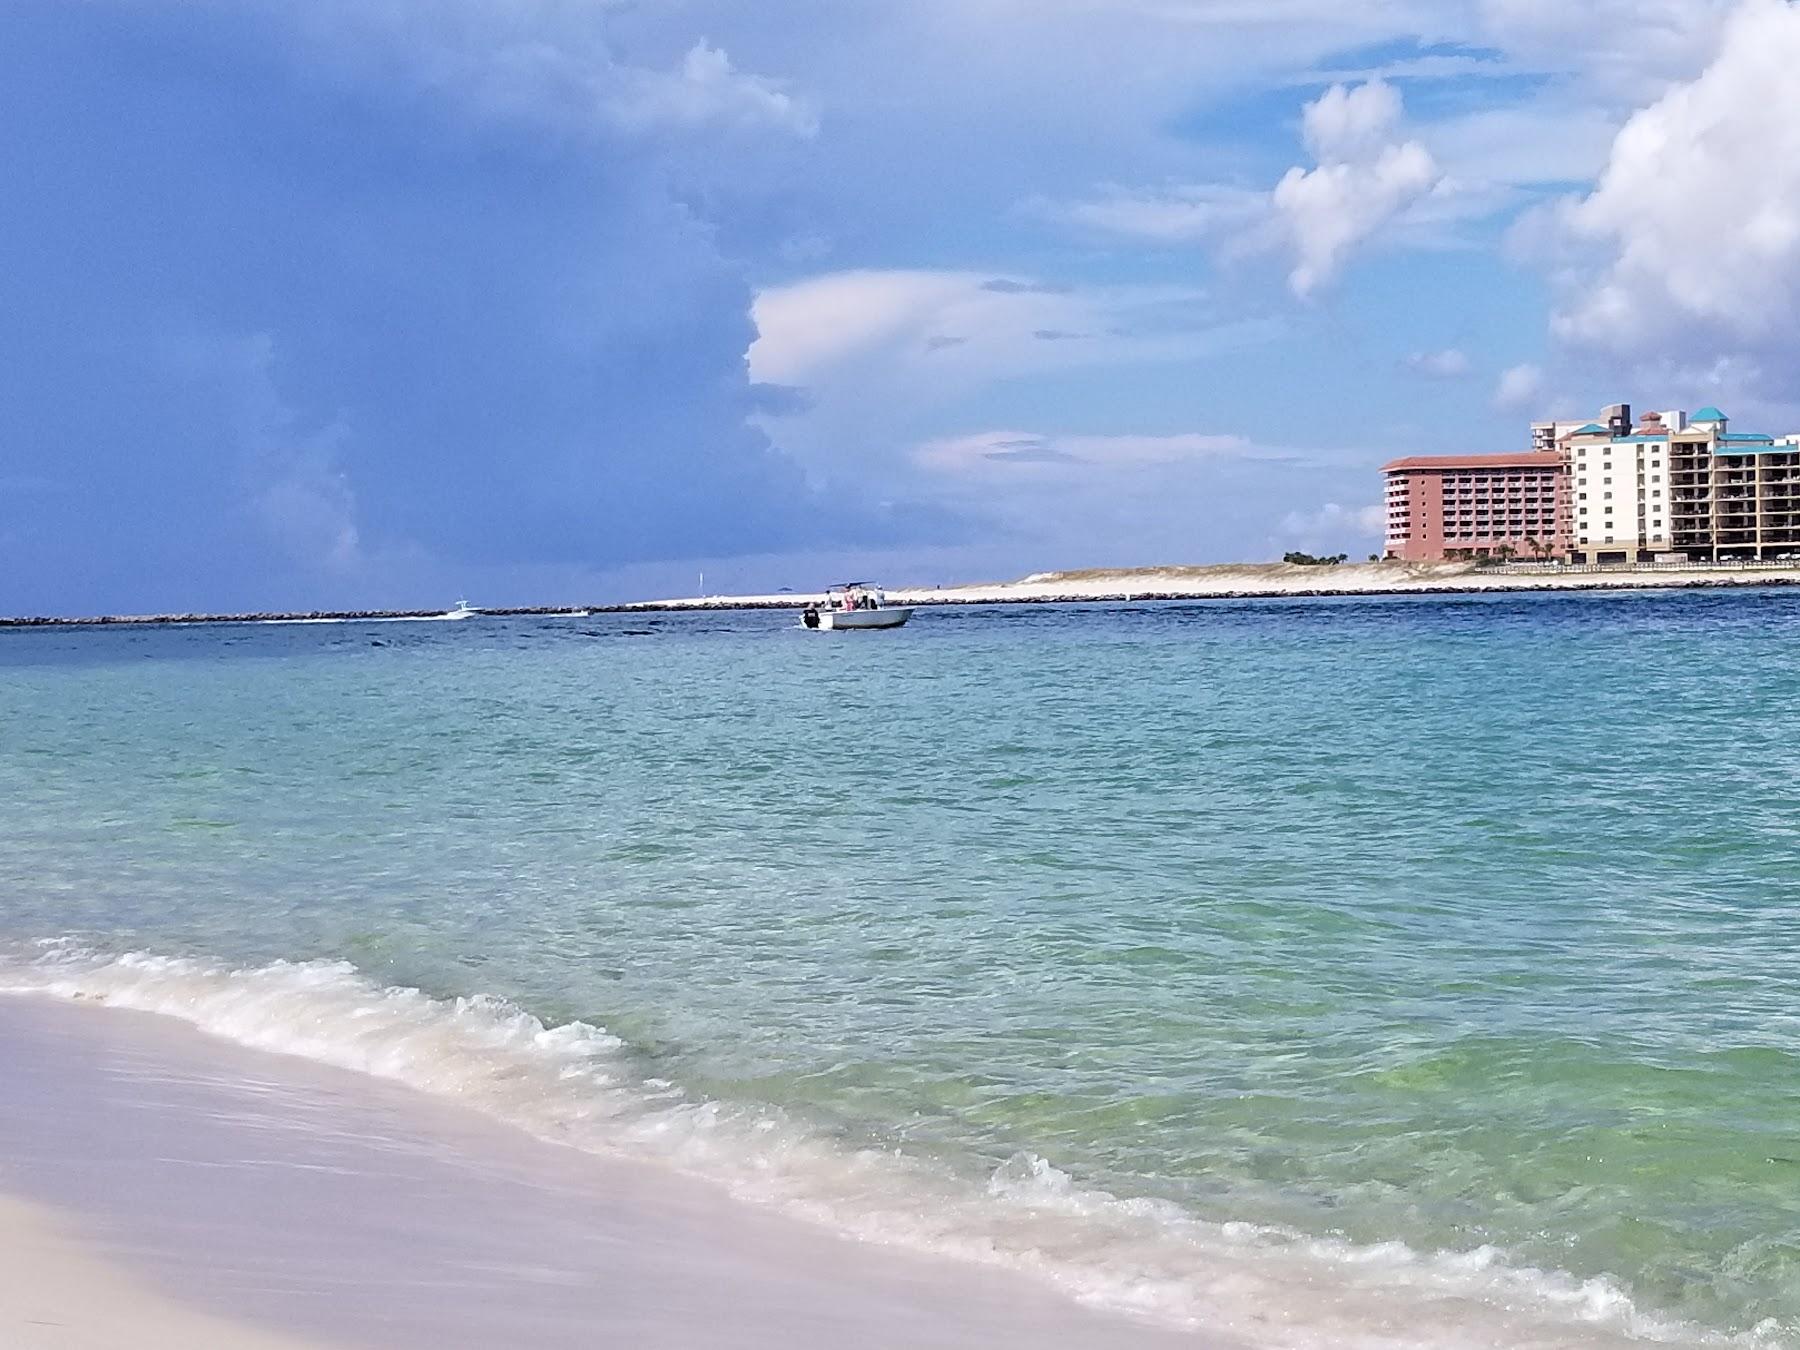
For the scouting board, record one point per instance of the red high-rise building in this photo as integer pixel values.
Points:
(1473, 506)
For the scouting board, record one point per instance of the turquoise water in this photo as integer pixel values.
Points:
(1471, 925)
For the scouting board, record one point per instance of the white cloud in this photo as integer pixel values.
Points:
(542, 64)
(930, 330)
(1364, 179)
(1347, 124)
(1618, 48)
(708, 90)
(1333, 524)
(988, 451)
(909, 343)
(1551, 139)
(1174, 215)
(1692, 235)
(1450, 364)
(1085, 499)
(1519, 386)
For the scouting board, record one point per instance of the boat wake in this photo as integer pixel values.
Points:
(576, 1084)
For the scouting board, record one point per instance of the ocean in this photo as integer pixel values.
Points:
(1411, 971)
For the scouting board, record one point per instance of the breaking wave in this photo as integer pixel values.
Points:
(575, 1084)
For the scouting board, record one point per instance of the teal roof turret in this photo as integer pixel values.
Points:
(1708, 414)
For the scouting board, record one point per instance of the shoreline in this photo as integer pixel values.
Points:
(214, 1187)
(1223, 581)
(257, 1142)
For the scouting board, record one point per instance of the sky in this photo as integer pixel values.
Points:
(381, 303)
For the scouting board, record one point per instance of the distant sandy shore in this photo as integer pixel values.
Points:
(1253, 580)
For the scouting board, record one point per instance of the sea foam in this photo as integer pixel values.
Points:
(575, 1084)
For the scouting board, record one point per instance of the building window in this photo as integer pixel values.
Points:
(1607, 495)
(1583, 496)
(1606, 464)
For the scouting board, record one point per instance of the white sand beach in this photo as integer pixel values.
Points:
(58, 1292)
(167, 1189)
(1246, 580)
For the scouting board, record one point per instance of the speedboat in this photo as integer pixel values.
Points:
(462, 611)
(855, 604)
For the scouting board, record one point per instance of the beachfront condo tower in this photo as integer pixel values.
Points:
(1684, 486)
(1477, 506)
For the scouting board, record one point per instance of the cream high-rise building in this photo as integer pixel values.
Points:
(1619, 485)
(1682, 484)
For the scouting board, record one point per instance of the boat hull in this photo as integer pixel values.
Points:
(890, 617)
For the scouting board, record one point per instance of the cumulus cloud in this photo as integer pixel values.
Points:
(433, 349)
(708, 90)
(1519, 387)
(1692, 235)
(1364, 178)
(282, 477)
(1351, 122)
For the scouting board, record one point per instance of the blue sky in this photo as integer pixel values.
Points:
(377, 302)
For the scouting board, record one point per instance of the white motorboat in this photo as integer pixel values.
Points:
(462, 611)
(856, 604)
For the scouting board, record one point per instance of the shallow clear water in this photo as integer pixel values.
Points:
(1460, 924)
